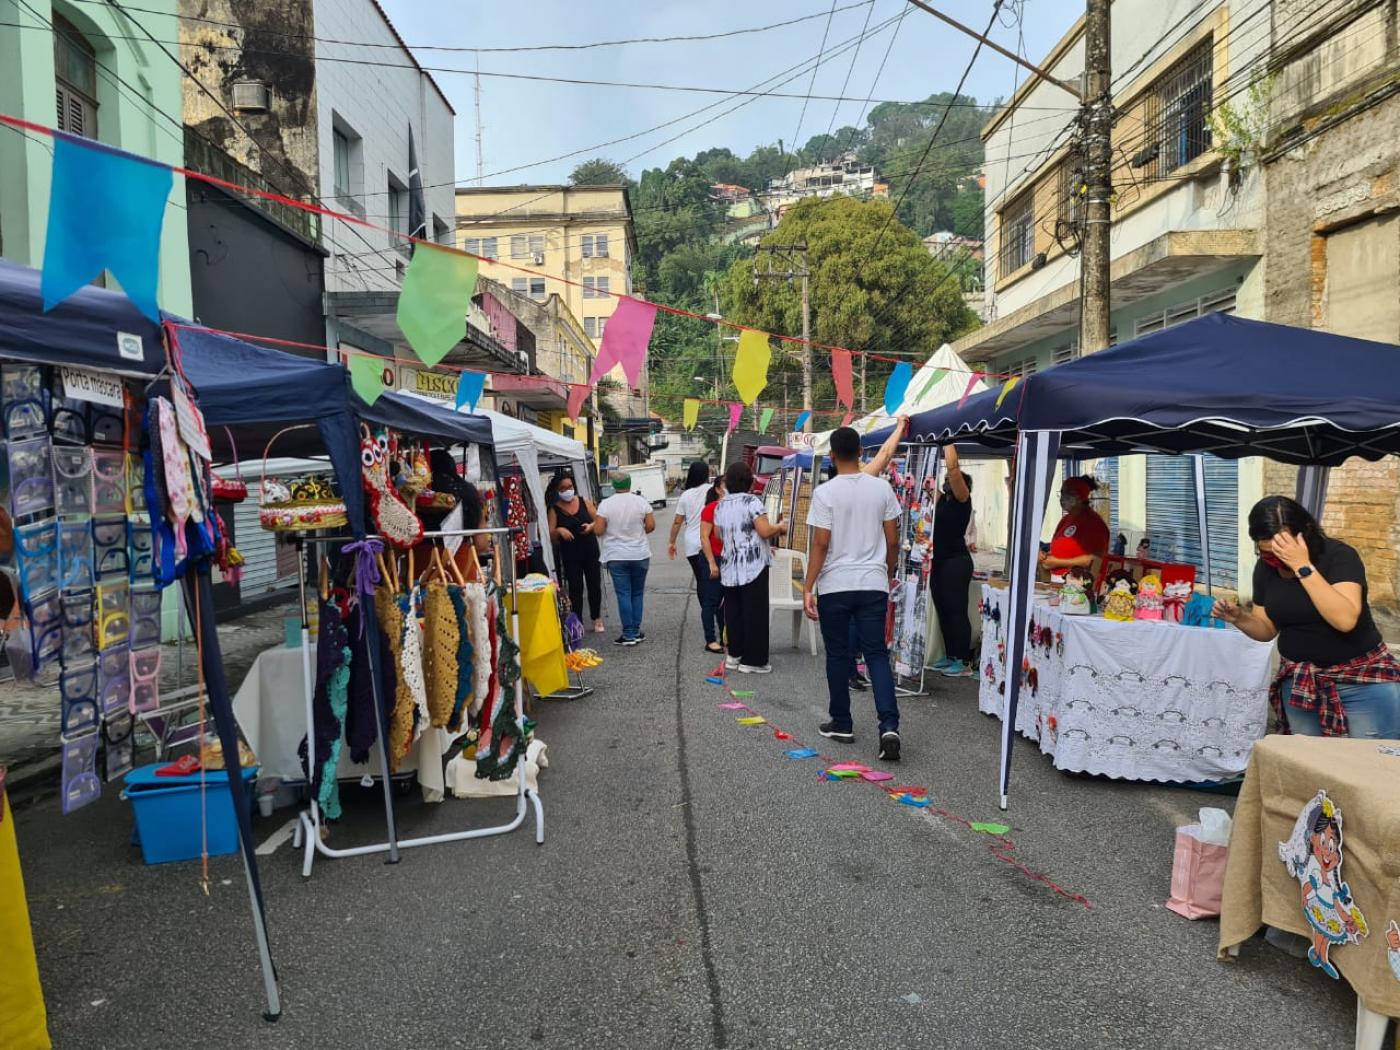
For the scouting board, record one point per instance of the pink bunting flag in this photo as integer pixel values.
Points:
(625, 341)
(841, 372)
(846, 419)
(736, 411)
(578, 394)
(967, 390)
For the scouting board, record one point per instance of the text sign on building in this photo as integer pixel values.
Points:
(801, 440)
(441, 385)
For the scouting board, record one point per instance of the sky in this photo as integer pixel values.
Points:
(525, 123)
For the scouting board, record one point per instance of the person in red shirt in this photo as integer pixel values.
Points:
(711, 546)
(1081, 536)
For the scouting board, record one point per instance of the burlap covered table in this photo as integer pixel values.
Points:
(1285, 773)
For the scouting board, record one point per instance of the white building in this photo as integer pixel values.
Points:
(847, 176)
(1185, 240)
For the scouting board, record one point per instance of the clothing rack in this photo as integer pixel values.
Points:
(307, 834)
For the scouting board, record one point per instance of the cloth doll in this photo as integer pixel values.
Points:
(1074, 595)
(1148, 603)
(1119, 603)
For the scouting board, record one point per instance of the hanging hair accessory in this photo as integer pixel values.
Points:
(367, 552)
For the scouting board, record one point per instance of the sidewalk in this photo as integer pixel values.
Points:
(29, 715)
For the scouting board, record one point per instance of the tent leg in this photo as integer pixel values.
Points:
(269, 972)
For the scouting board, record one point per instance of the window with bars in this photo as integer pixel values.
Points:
(1222, 301)
(518, 246)
(1176, 122)
(486, 247)
(75, 80)
(1017, 235)
(1064, 354)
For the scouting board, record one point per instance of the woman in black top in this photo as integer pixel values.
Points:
(1337, 678)
(952, 568)
(571, 524)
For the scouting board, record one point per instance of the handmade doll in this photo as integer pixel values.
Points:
(1313, 856)
(1174, 598)
(1148, 603)
(1119, 603)
(1074, 595)
(398, 525)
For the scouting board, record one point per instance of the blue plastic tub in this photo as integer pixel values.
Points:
(167, 812)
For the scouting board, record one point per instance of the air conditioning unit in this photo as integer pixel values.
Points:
(538, 257)
(252, 96)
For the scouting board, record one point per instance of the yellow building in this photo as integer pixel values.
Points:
(541, 233)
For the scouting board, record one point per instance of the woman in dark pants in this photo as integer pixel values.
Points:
(571, 525)
(687, 522)
(952, 568)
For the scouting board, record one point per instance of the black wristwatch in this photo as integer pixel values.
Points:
(1304, 572)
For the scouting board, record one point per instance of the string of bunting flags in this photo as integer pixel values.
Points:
(131, 194)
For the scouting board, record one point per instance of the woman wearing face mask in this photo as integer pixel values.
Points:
(952, 567)
(1336, 677)
(1081, 536)
(571, 525)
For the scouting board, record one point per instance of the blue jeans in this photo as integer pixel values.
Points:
(1373, 711)
(629, 581)
(861, 613)
(711, 595)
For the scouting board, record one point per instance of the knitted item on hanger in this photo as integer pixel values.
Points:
(400, 722)
(412, 662)
(338, 695)
(475, 595)
(465, 668)
(330, 655)
(441, 642)
(393, 519)
(499, 749)
(517, 517)
(360, 732)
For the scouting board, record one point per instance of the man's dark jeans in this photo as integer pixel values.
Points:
(861, 613)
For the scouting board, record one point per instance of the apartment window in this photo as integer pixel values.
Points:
(397, 196)
(602, 285)
(483, 246)
(595, 245)
(596, 287)
(590, 327)
(518, 285)
(75, 79)
(1176, 127)
(340, 150)
(518, 246)
(1222, 301)
(1064, 354)
(536, 244)
(589, 291)
(1017, 235)
(537, 288)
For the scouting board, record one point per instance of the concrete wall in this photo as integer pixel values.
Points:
(1332, 241)
(377, 104)
(138, 100)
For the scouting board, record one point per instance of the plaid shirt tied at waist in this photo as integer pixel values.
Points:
(1315, 687)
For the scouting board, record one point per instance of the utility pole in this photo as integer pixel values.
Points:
(1097, 111)
(788, 262)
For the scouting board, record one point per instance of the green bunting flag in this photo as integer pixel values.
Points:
(764, 420)
(436, 297)
(367, 377)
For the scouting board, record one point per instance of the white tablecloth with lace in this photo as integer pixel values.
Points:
(1137, 701)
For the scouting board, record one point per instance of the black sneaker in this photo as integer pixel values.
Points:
(859, 682)
(623, 640)
(829, 730)
(889, 746)
(641, 637)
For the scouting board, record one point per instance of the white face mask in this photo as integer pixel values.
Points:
(566, 494)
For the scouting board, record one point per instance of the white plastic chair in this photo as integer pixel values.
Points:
(785, 594)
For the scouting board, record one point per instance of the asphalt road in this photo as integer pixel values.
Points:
(696, 889)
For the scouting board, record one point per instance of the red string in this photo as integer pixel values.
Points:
(331, 213)
(1001, 847)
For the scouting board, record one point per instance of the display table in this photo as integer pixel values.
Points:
(1137, 701)
(271, 709)
(1285, 774)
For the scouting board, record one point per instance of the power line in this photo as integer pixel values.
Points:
(836, 107)
(813, 83)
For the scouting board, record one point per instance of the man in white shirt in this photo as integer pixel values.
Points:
(623, 521)
(855, 548)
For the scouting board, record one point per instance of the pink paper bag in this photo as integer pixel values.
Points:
(1198, 875)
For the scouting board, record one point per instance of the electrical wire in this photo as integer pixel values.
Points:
(801, 116)
(845, 84)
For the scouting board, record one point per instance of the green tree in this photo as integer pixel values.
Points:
(598, 172)
(893, 298)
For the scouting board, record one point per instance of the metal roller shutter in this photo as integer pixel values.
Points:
(1106, 471)
(1171, 513)
(259, 550)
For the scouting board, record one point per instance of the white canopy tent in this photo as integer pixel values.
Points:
(532, 448)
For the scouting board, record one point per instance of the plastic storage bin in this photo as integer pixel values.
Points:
(167, 812)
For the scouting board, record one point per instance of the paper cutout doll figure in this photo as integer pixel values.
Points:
(1074, 595)
(1392, 947)
(1148, 604)
(1313, 856)
(1119, 603)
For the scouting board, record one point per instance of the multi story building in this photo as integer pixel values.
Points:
(83, 69)
(1330, 152)
(1186, 237)
(847, 176)
(573, 242)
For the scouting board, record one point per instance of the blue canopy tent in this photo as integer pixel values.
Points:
(99, 329)
(1220, 385)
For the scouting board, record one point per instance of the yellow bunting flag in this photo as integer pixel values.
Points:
(751, 365)
(1006, 388)
(691, 412)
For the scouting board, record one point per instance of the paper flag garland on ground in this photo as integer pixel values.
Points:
(802, 421)
(469, 388)
(736, 411)
(897, 386)
(367, 377)
(106, 210)
(690, 413)
(750, 365)
(802, 752)
(435, 300)
(876, 776)
(751, 720)
(841, 373)
(625, 341)
(578, 394)
(743, 694)
(764, 420)
(715, 679)
(731, 707)
(989, 829)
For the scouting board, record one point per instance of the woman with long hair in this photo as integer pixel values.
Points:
(952, 567)
(571, 527)
(688, 510)
(1336, 677)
